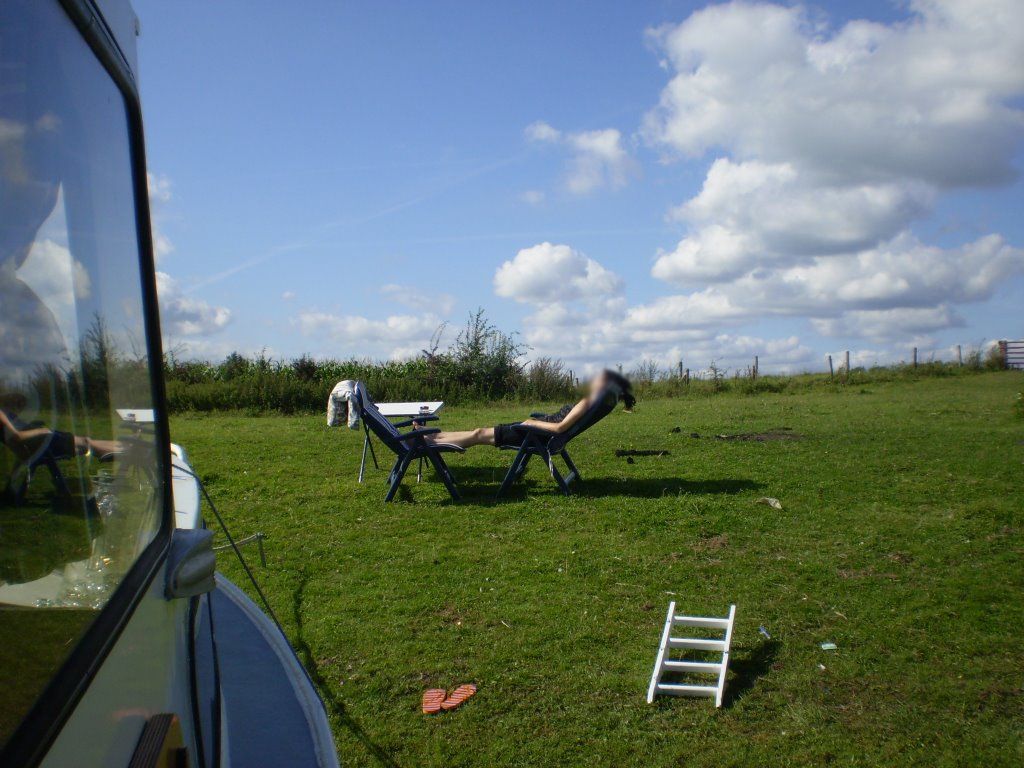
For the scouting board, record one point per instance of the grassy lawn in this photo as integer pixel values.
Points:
(900, 541)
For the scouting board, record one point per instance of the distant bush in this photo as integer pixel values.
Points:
(986, 360)
(994, 359)
(545, 379)
(482, 364)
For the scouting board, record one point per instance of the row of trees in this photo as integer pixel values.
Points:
(482, 364)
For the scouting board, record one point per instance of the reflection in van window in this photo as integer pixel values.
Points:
(79, 496)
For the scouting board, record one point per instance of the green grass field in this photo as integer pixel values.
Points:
(900, 541)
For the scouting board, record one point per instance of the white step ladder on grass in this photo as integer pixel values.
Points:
(665, 664)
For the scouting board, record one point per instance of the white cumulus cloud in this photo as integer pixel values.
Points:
(885, 325)
(547, 273)
(406, 335)
(532, 196)
(542, 132)
(833, 143)
(182, 315)
(438, 303)
(925, 99)
(903, 283)
(159, 195)
(598, 158)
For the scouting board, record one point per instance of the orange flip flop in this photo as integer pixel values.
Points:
(432, 700)
(459, 696)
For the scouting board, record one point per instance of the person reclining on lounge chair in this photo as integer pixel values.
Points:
(25, 442)
(509, 435)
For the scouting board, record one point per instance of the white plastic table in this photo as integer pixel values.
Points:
(137, 415)
(408, 410)
(399, 411)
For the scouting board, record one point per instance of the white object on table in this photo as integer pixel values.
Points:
(137, 415)
(397, 411)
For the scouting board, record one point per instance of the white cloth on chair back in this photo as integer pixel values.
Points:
(339, 403)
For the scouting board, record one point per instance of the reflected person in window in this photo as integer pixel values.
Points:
(27, 441)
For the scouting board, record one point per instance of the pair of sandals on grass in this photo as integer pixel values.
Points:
(437, 699)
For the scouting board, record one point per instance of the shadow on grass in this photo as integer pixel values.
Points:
(479, 484)
(747, 670)
(335, 706)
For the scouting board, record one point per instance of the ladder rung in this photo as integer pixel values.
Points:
(696, 644)
(688, 690)
(692, 666)
(698, 621)
(663, 663)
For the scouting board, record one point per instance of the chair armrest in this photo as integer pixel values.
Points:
(414, 420)
(418, 433)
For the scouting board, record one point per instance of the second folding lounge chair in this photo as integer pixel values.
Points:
(59, 447)
(407, 446)
(55, 449)
(547, 444)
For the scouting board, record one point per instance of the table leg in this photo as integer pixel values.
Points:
(362, 464)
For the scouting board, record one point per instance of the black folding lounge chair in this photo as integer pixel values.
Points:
(47, 456)
(547, 445)
(55, 450)
(407, 446)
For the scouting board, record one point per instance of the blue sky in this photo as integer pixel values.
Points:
(616, 181)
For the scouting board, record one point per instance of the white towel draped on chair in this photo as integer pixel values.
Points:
(338, 405)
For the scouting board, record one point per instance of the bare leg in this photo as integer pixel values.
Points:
(481, 436)
(25, 442)
(98, 447)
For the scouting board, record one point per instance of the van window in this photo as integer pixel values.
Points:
(79, 469)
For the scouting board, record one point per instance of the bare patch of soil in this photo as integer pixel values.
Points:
(772, 436)
(762, 437)
(711, 543)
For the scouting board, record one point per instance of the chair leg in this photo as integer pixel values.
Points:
(19, 489)
(444, 472)
(522, 467)
(362, 462)
(574, 474)
(518, 466)
(397, 473)
(58, 477)
(557, 476)
(373, 453)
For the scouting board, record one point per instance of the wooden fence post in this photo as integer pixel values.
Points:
(680, 369)
(959, 356)
(687, 376)
(831, 371)
(756, 363)
(846, 367)
(1003, 354)
(915, 357)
